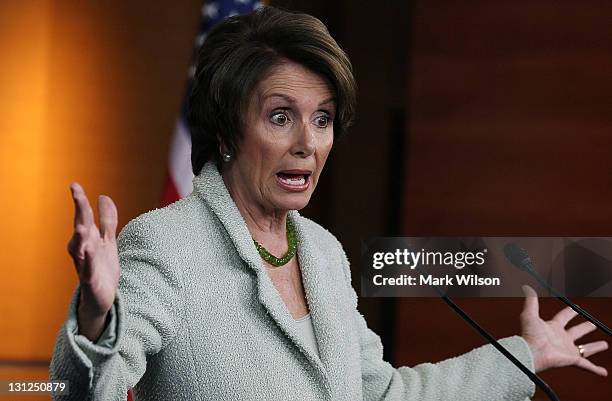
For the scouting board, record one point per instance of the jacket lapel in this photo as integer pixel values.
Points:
(211, 188)
(323, 297)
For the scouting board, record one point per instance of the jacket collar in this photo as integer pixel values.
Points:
(321, 293)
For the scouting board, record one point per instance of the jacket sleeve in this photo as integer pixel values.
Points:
(143, 320)
(481, 374)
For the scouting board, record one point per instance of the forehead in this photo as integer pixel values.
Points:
(294, 81)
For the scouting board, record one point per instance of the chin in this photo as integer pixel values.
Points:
(293, 202)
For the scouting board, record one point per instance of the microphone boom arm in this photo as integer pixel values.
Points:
(534, 378)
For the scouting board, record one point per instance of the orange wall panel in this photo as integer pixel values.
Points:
(24, 51)
(89, 92)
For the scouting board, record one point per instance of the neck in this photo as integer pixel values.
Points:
(265, 225)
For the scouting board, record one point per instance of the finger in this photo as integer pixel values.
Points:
(532, 305)
(589, 366)
(594, 347)
(580, 330)
(564, 316)
(82, 211)
(108, 217)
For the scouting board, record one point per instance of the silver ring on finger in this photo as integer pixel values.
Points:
(581, 350)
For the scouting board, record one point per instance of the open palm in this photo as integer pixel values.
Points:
(94, 252)
(551, 344)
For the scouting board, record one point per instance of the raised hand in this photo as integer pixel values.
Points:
(94, 252)
(552, 345)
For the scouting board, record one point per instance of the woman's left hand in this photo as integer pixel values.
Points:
(551, 344)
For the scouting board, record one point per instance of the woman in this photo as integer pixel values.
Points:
(190, 302)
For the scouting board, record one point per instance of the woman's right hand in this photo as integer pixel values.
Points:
(94, 252)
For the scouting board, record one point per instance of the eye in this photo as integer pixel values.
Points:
(279, 118)
(322, 121)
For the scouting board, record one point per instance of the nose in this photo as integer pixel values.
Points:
(305, 142)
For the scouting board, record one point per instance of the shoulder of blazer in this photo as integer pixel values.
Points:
(177, 223)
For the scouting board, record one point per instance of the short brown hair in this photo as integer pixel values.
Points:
(237, 55)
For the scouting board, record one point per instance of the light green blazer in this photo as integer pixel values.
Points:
(197, 318)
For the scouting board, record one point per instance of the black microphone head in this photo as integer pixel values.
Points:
(517, 256)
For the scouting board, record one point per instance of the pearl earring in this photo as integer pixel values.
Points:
(226, 157)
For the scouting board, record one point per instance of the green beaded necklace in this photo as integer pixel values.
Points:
(283, 260)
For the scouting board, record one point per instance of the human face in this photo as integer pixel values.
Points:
(287, 136)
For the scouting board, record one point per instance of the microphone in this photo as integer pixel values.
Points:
(520, 258)
(493, 341)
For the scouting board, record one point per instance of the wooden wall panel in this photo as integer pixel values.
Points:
(508, 134)
(509, 118)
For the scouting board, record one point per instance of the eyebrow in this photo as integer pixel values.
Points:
(293, 101)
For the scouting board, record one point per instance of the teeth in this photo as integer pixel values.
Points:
(297, 180)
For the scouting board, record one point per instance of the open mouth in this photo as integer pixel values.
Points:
(294, 180)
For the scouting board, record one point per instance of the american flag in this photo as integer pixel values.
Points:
(179, 174)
